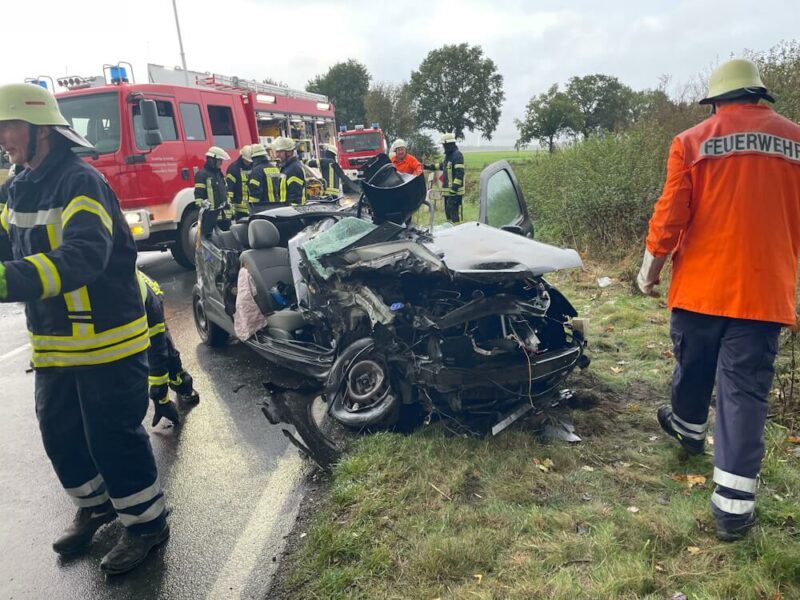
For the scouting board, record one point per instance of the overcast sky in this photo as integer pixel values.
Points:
(534, 43)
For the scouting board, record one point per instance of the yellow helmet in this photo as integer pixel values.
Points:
(247, 152)
(398, 143)
(217, 152)
(735, 78)
(283, 143)
(448, 138)
(257, 150)
(37, 106)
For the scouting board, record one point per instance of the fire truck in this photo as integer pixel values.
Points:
(150, 138)
(358, 146)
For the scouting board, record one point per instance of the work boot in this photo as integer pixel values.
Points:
(665, 420)
(131, 550)
(191, 398)
(730, 532)
(87, 521)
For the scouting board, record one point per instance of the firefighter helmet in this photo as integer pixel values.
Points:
(257, 150)
(329, 148)
(398, 144)
(448, 138)
(283, 143)
(247, 152)
(217, 152)
(735, 78)
(37, 106)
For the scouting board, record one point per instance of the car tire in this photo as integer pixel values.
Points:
(210, 333)
(183, 250)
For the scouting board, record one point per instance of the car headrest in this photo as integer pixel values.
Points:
(240, 231)
(262, 234)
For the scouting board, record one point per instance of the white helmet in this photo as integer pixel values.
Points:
(217, 152)
(398, 143)
(283, 143)
(448, 138)
(257, 150)
(329, 148)
(247, 152)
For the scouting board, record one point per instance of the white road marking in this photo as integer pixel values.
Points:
(14, 352)
(235, 575)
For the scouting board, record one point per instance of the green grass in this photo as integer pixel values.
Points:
(478, 159)
(430, 515)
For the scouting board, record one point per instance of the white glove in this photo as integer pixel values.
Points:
(648, 276)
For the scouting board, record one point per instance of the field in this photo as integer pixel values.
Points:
(478, 159)
(623, 514)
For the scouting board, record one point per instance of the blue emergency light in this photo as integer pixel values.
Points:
(342, 127)
(118, 74)
(376, 125)
(40, 82)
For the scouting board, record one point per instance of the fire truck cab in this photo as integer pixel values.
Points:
(150, 139)
(358, 146)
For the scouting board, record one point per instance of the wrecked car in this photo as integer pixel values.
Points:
(370, 318)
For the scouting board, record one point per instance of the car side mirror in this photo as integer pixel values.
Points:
(515, 229)
(152, 131)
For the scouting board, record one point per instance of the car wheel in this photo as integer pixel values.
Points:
(212, 334)
(183, 250)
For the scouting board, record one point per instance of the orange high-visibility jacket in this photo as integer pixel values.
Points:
(409, 165)
(730, 214)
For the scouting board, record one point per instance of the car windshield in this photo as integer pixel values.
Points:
(95, 117)
(360, 142)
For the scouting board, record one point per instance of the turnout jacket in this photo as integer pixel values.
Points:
(73, 263)
(730, 215)
(330, 170)
(237, 180)
(210, 191)
(157, 355)
(292, 171)
(452, 173)
(266, 183)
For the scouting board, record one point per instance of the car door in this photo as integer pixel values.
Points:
(502, 203)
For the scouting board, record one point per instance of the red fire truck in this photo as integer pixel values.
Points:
(358, 146)
(152, 174)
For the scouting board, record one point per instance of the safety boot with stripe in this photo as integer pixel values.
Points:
(691, 446)
(732, 532)
(79, 534)
(132, 550)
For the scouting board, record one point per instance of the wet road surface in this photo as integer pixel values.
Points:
(232, 481)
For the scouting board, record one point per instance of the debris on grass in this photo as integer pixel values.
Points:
(690, 480)
(633, 509)
(693, 550)
(543, 465)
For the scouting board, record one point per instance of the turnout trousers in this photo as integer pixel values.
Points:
(91, 424)
(452, 208)
(739, 355)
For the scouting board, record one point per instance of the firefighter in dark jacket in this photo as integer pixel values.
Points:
(331, 171)
(166, 370)
(265, 182)
(293, 188)
(452, 177)
(73, 264)
(237, 177)
(210, 190)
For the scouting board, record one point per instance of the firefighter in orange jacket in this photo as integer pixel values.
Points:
(730, 216)
(403, 161)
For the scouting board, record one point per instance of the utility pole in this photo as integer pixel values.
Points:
(180, 43)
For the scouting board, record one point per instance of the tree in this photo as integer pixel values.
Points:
(392, 106)
(422, 146)
(547, 117)
(457, 89)
(780, 71)
(603, 101)
(346, 84)
(275, 82)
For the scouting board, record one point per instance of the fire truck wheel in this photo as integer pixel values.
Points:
(183, 248)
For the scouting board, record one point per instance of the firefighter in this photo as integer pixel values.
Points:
(730, 216)
(265, 183)
(73, 263)
(166, 370)
(237, 177)
(210, 191)
(294, 190)
(403, 161)
(452, 177)
(331, 171)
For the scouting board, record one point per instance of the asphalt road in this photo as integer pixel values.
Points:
(232, 481)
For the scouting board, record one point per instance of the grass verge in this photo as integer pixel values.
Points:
(429, 515)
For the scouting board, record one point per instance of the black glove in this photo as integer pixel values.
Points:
(429, 167)
(166, 410)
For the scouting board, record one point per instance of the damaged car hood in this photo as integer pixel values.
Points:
(476, 249)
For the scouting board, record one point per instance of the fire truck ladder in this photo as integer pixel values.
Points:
(235, 84)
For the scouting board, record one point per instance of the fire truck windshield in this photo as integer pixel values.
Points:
(360, 142)
(95, 117)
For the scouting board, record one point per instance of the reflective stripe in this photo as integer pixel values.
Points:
(54, 235)
(34, 219)
(150, 514)
(4, 217)
(84, 203)
(48, 274)
(294, 179)
(458, 165)
(734, 482)
(210, 190)
(734, 507)
(140, 497)
(87, 488)
(231, 177)
(687, 434)
(158, 379)
(106, 338)
(156, 329)
(457, 182)
(690, 426)
(200, 185)
(93, 501)
(96, 357)
(255, 182)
